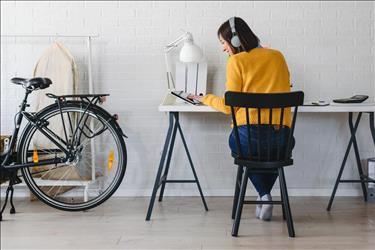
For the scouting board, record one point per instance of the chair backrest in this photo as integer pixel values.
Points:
(270, 102)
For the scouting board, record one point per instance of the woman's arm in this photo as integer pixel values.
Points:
(234, 83)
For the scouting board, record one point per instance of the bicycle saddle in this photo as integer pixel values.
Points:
(33, 83)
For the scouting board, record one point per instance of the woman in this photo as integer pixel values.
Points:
(252, 69)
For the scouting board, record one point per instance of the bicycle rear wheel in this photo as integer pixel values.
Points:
(94, 169)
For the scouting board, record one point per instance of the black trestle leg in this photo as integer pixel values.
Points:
(168, 162)
(160, 169)
(353, 130)
(359, 167)
(372, 127)
(161, 180)
(192, 166)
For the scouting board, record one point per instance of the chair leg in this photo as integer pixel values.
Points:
(284, 193)
(236, 223)
(237, 190)
(282, 205)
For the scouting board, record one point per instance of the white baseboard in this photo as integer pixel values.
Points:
(250, 192)
(23, 191)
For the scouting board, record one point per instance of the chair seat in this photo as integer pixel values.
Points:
(256, 164)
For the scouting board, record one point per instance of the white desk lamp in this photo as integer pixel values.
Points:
(189, 53)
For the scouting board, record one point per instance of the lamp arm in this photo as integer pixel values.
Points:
(187, 36)
(183, 37)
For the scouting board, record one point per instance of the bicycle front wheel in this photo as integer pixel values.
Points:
(96, 164)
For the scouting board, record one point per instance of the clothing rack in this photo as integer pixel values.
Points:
(89, 65)
(46, 35)
(88, 44)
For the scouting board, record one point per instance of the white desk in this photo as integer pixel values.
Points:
(171, 104)
(174, 106)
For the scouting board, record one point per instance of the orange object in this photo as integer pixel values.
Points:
(111, 157)
(35, 156)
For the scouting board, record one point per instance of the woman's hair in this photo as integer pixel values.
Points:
(247, 37)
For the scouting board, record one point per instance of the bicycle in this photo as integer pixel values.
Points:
(72, 153)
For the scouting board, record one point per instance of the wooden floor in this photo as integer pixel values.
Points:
(182, 223)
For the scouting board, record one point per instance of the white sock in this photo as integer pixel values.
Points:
(266, 212)
(258, 208)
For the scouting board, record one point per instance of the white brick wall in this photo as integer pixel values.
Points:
(329, 47)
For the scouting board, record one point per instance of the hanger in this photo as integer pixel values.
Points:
(55, 38)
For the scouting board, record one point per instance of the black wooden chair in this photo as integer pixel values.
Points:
(269, 162)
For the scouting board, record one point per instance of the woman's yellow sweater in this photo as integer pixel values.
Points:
(261, 70)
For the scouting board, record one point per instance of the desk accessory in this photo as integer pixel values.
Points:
(353, 99)
(316, 103)
(189, 53)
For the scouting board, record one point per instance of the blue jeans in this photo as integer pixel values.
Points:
(263, 183)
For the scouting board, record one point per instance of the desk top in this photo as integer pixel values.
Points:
(171, 104)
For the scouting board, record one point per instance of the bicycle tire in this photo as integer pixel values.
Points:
(53, 111)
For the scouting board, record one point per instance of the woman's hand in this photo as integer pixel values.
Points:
(195, 97)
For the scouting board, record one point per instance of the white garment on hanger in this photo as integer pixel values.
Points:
(57, 64)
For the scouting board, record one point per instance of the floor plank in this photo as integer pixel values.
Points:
(182, 223)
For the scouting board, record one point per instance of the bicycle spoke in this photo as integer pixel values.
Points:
(54, 186)
(49, 170)
(58, 190)
(95, 164)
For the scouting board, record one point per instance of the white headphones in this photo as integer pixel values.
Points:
(235, 40)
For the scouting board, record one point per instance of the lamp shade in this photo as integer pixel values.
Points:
(190, 52)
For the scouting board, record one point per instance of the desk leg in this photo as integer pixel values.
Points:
(161, 165)
(372, 127)
(192, 165)
(359, 166)
(164, 177)
(352, 131)
(168, 150)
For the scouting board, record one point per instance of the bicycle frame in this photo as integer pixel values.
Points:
(8, 161)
